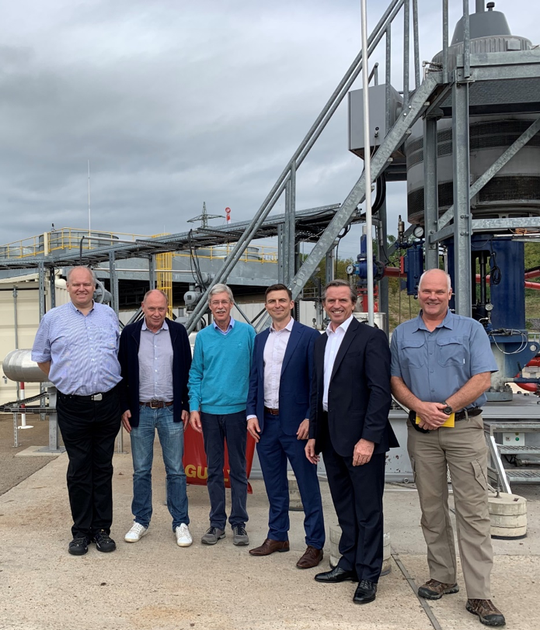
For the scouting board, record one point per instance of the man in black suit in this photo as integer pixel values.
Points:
(349, 425)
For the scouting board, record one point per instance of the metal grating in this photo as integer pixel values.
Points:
(523, 476)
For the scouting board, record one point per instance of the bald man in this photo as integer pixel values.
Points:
(441, 367)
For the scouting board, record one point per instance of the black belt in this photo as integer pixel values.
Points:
(272, 412)
(460, 415)
(92, 398)
(156, 404)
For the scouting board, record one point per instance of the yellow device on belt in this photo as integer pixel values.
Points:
(448, 423)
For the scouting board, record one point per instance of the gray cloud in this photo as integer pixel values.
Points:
(175, 103)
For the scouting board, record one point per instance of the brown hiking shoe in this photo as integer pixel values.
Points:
(489, 615)
(433, 589)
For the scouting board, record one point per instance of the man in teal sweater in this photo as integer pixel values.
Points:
(218, 388)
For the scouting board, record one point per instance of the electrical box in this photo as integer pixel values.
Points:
(377, 123)
(514, 439)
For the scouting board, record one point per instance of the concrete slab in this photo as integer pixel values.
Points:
(156, 585)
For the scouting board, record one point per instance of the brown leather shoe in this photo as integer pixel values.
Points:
(487, 612)
(269, 546)
(433, 589)
(311, 558)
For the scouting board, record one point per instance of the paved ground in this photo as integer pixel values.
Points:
(155, 585)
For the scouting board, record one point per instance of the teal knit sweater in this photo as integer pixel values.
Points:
(219, 375)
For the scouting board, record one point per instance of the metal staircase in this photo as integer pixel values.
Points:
(501, 476)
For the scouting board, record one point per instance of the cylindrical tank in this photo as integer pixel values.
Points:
(18, 366)
(515, 189)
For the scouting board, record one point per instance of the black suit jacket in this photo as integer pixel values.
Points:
(359, 395)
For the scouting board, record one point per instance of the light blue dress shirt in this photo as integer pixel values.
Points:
(82, 349)
(155, 365)
(434, 365)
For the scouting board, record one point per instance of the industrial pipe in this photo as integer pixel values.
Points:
(18, 366)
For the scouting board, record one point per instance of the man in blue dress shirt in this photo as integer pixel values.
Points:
(441, 366)
(76, 346)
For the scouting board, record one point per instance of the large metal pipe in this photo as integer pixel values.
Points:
(18, 366)
(480, 6)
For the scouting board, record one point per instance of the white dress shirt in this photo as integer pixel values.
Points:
(274, 353)
(335, 338)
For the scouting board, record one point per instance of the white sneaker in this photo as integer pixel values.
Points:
(183, 537)
(136, 532)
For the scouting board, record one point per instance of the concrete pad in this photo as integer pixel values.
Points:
(39, 451)
(156, 585)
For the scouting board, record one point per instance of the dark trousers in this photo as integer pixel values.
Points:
(217, 429)
(357, 493)
(274, 449)
(89, 429)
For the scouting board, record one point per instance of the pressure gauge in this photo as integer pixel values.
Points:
(350, 270)
(418, 231)
(489, 307)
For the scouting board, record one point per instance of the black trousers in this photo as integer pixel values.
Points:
(89, 429)
(357, 494)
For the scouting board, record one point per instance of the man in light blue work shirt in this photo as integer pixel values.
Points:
(218, 389)
(441, 367)
(76, 347)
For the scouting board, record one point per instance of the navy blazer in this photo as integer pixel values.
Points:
(295, 381)
(128, 356)
(359, 395)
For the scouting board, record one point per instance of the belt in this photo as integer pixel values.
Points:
(92, 398)
(460, 415)
(156, 404)
(272, 412)
(468, 413)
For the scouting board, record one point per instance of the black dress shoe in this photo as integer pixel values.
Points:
(104, 542)
(78, 546)
(337, 574)
(365, 593)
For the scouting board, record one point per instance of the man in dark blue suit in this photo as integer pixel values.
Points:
(278, 419)
(349, 424)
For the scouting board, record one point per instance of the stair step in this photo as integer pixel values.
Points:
(525, 475)
(507, 449)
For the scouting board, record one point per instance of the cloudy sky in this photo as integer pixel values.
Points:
(176, 102)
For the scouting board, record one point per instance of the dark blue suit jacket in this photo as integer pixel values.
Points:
(295, 382)
(128, 356)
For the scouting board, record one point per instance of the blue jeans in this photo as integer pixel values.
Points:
(231, 427)
(171, 438)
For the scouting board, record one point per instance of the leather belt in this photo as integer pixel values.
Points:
(468, 413)
(460, 415)
(156, 404)
(92, 398)
(272, 412)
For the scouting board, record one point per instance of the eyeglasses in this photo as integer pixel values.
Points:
(220, 303)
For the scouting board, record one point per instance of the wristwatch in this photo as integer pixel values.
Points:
(447, 410)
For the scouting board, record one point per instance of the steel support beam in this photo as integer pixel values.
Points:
(41, 280)
(431, 192)
(152, 272)
(462, 212)
(113, 277)
(289, 235)
(52, 286)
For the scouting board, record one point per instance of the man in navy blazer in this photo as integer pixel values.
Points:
(278, 419)
(155, 357)
(349, 424)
